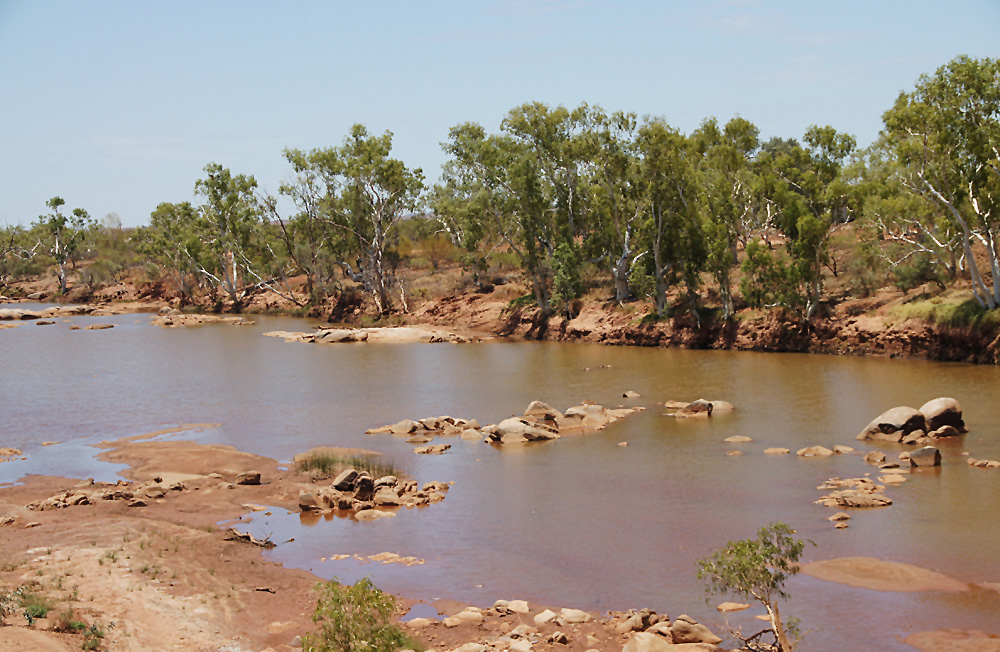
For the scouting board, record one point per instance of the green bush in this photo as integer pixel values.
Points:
(355, 618)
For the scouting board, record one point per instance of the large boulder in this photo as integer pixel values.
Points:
(926, 456)
(336, 335)
(699, 408)
(943, 412)
(520, 429)
(894, 424)
(686, 630)
(248, 478)
(345, 481)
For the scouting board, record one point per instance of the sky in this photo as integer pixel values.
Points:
(118, 106)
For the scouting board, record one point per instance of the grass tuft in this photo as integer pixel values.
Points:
(327, 464)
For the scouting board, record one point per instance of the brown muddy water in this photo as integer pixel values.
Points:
(579, 521)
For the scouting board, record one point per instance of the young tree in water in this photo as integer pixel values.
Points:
(757, 568)
(62, 236)
(946, 134)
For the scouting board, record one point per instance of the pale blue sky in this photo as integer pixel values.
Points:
(117, 106)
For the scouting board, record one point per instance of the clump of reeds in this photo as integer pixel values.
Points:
(323, 464)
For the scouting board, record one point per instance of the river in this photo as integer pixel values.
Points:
(580, 521)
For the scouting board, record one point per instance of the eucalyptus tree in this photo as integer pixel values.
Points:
(62, 236)
(172, 243)
(946, 135)
(309, 237)
(732, 207)
(508, 191)
(12, 253)
(367, 192)
(672, 232)
(617, 196)
(812, 200)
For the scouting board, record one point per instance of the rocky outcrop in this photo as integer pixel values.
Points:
(398, 335)
(182, 320)
(941, 417)
(358, 491)
(853, 492)
(17, 314)
(540, 422)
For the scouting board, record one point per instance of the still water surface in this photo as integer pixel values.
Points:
(578, 522)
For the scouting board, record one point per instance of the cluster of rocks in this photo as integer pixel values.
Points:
(20, 314)
(700, 408)
(983, 464)
(823, 451)
(359, 492)
(7, 454)
(136, 494)
(393, 334)
(926, 456)
(654, 633)
(936, 419)
(173, 318)
(540, 422)
(853, 492)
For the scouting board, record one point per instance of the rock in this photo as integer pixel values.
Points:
(814, 451)
(471, 647)
(840, 449)
(558, 638)
(501, 607)
(776, 451)
(522, 631)
(546, 616)
(840, 516)
(404, 427)
(345, 481)
(631, 624)
(372, 514)
(518, 606)
(945, 431)
(647, 642)
(841, 526)
(675, 405)
(386, 497)
(739, 439)
(451, 621)
(420, 623)
(732, 606)
(686, 630)
(719, 406)
(248, 478)
(859, 498)
(874, 457)
(631, 394)
(914, 437)
(337, 335)
(575, 616)
(893, 478)
(522, 645)
(699, 408)
(99, 327)
(307, 501)
(893, 425)
(470, 615)
(926, 456)
(542, 411)
(435, 449)
(517, 430)
(943, 412)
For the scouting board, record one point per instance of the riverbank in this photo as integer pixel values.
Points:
(924, 324)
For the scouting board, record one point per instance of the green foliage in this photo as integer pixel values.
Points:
(355, 618)
(756, 568)
(950, 312)
(915, 271)
(566, 284)
(325, 464)
(10, 604)
(35, 605)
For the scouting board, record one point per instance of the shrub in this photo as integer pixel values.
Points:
(355, 618)
(757, 568)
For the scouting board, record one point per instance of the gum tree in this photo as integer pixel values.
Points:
(946, 134)
(757, 568)
(62, 236)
